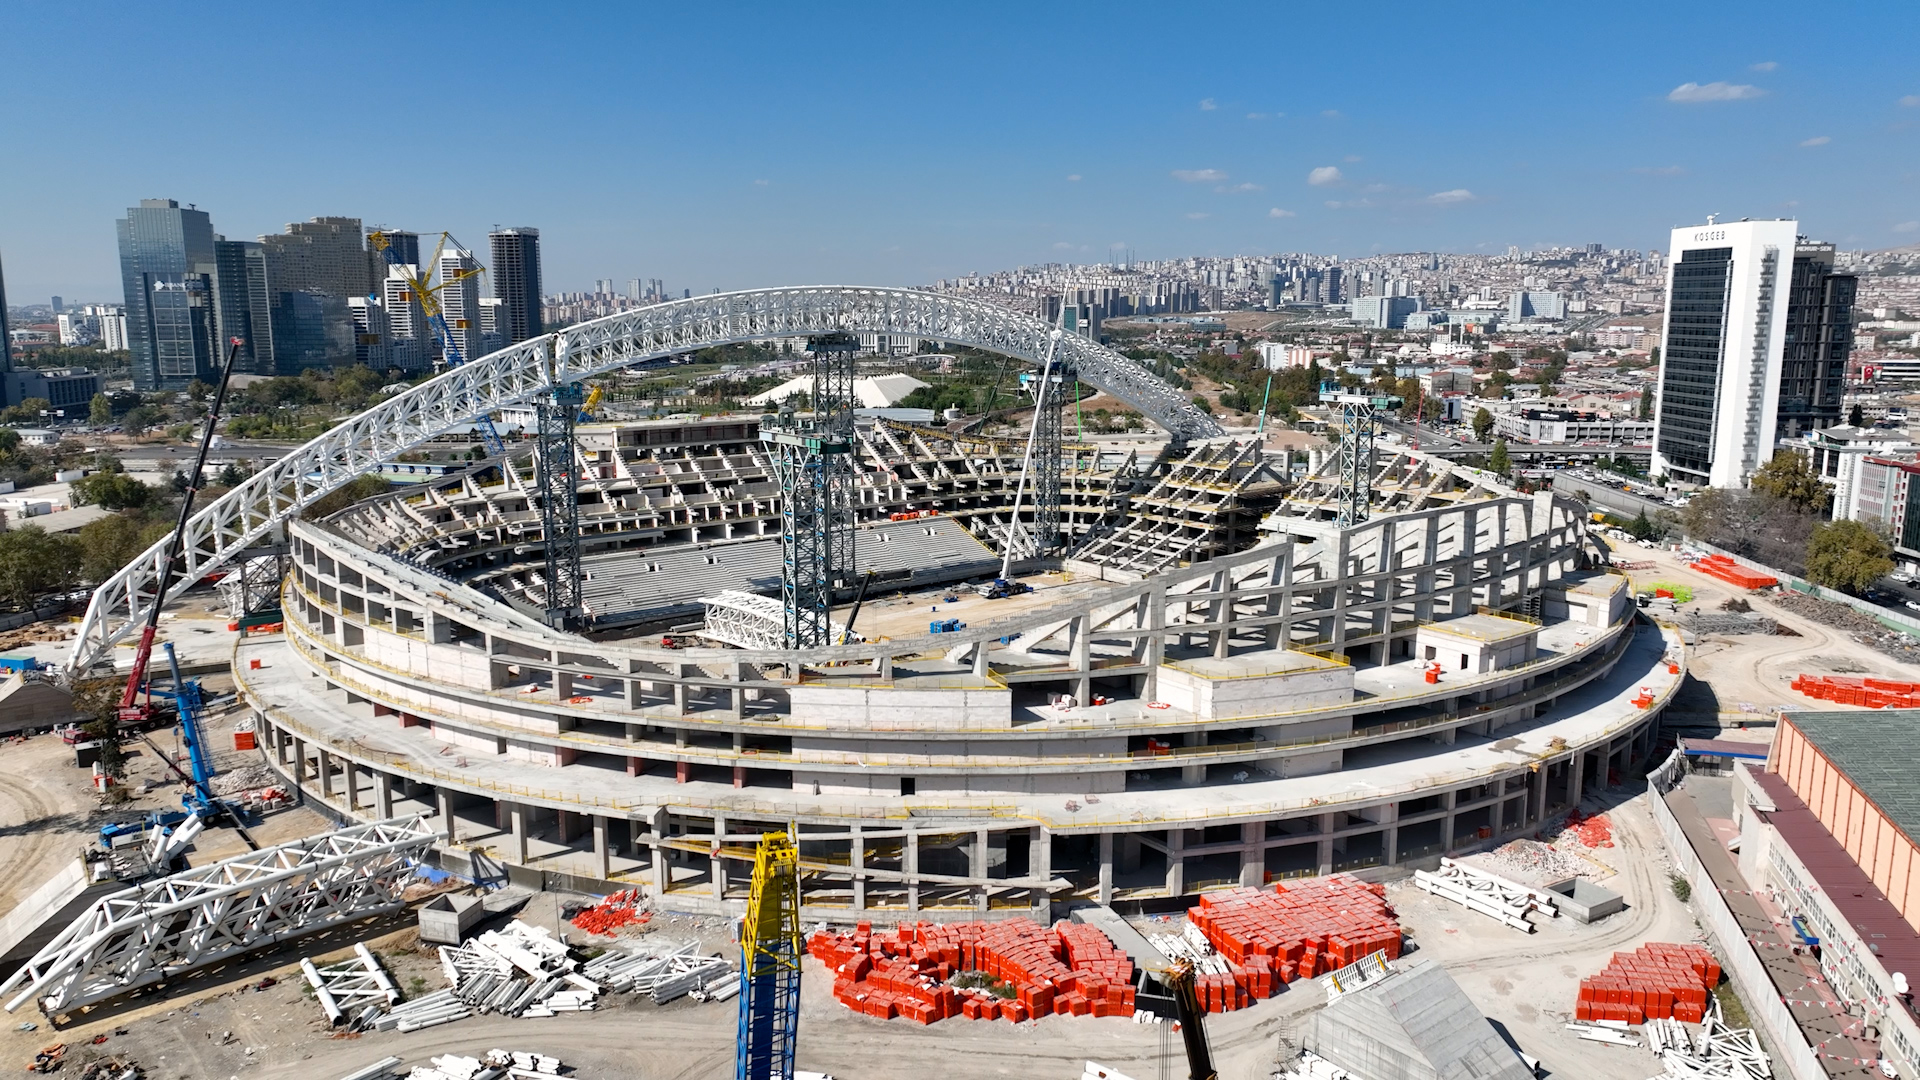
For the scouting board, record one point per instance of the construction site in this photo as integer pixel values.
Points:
(819, 743)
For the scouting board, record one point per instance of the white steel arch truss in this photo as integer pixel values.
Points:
(747, 620)
(164, 928)
(251, 513)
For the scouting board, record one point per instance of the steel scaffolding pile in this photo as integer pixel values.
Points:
(558, 478)
(813, 460)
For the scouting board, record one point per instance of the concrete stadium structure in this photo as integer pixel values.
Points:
(1152, 728)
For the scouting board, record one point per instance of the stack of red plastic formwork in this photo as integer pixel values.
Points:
(1657, 981)
(1295, 931)
(1724, 568)
(1065, 969)
(1872, 693)
(623, 908)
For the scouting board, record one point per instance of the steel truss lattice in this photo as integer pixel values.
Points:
(162, 929)
(747, 620)
(254, 512)
(558, 478)
(1048, 449)
(1358, 416)
(813, 461)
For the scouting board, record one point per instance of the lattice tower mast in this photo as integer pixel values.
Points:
(813, 460)
(770, 952)
(558, 478)
(1359, 421)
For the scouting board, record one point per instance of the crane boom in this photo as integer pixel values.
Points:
(143, 654)
(770, 951)
(417, 284)
(1179, 980)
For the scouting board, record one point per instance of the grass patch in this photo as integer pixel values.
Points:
(980, 980)
(1732, 1009)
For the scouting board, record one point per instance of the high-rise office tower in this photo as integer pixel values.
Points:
(1758, 332)
(409, 338)
(493, 324)
(325, 254)
(405, 247)
(167, 269)
(460, 301)
(242, 307)
(633, 289)
(516, 280)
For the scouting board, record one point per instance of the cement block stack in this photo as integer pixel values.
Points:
(1657, 981)
(1065, 969)
(1871, 693)
(1292, 932)
(1724, 568)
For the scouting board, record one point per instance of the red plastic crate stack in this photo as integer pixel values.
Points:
(1657, 981)
(1067, 969)
(1724, 568)
(1872, 693)
(1295, 931)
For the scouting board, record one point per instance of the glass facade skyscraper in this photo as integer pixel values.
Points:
(167, 269)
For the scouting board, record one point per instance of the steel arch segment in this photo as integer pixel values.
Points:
(250, 513)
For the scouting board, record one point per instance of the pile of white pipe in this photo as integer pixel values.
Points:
(1489, 894)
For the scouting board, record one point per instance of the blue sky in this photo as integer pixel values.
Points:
(735, 145)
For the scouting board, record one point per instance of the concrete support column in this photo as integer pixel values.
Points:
(602, 852)
(1446, 823)
(857, 866)
(1253, 856)
(517, 815)
(1194, 774)
(382, 794)
(1393, 844)
(1156, 650)
(910, 862)
(1324, 856)
(662, 874)
(447, 822)
(350, 773)
(1499, 808)
(719, 874)
(1081, 649)
(1176, 861)
(1040, 867)
(326, 774)
(1576, 775)
(977, 868)
(1106, 868)
(299, 760)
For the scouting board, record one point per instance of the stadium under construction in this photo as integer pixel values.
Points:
(1219, 676)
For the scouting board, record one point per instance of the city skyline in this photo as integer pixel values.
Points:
(936, 148)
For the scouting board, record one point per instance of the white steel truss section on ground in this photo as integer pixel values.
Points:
(747, 620)
(161, 929)
(250, 514)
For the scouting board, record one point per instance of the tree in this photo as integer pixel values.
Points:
(111, 543)
(1789, 478)
(1645, 411)
(1498, 461)
(114, 491)
(1856, 417)
(198, 391)
(1482, 425)
(1642, 529)
(1202, 404)
(1848, 556)
(100, 410)
(1501, 361)
(34, 563)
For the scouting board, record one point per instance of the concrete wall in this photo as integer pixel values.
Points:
(1884, 853)
(893, 708)
(1210, 691)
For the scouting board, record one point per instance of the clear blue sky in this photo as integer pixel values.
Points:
(735, 145)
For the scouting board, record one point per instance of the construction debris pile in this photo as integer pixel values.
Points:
(1068, 969)
(517, 970)
(1726, 622)
(1872, 693)
(614, 913)
(1270, 938)
(496, 1065)
(1865, 629)
(1534, 861)
(1656, 981)
(1593, 832)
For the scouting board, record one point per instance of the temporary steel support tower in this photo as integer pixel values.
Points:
(1046, 418)
(1358, 415)
(1047, 451)
(770, 951)
(558, 477)
(813, 459)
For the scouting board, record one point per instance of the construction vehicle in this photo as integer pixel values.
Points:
(591, 405)
(132, 712)
(1000, 588)
(846, 634)
(421, 286)
(1179, 981)
(770, 953)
